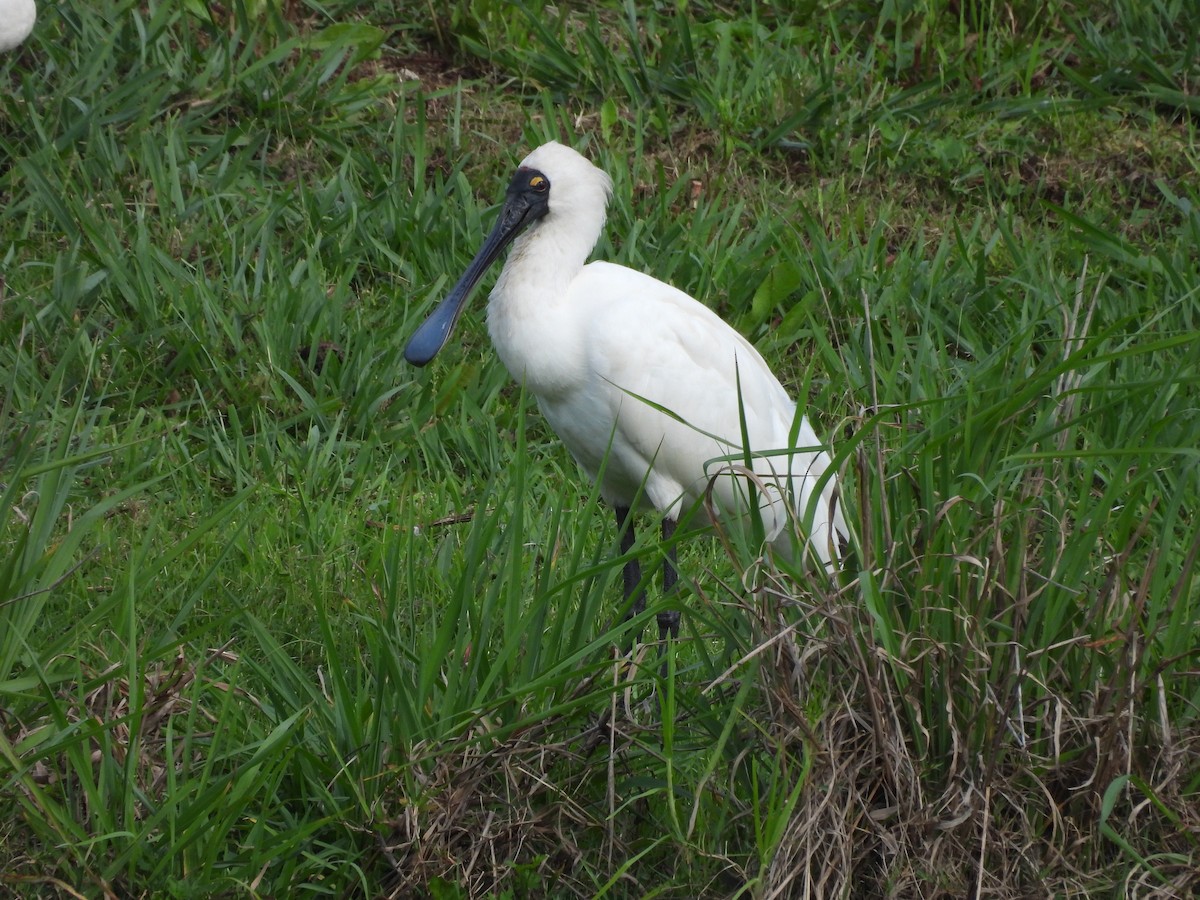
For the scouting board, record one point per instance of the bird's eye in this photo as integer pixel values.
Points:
(539, 183)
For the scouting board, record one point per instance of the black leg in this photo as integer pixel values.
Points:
(668, 620)
(631, 575)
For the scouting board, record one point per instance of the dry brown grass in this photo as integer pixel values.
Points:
(883, 813)
(485, 805)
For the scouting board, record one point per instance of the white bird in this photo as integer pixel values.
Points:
(648, 388)
(16, 21)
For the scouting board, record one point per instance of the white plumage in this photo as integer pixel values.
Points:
(16, 21)
(639, 380)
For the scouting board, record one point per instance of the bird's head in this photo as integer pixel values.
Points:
(554, 188)
(574, 192)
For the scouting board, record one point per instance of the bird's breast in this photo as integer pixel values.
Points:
(539, 342)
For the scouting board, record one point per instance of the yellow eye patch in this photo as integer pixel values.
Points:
(538, 182)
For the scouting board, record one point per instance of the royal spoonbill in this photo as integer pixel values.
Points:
(648, 388)
(16, 21)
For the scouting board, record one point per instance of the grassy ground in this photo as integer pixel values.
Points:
(283, 616)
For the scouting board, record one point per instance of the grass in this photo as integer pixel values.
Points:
(281, 614)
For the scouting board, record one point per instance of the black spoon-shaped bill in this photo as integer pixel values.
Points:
(523, 205)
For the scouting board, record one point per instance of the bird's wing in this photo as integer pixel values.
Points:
(676, 371)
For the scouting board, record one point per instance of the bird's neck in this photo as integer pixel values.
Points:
(545, 259)
(530, 320)
(562, 241)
